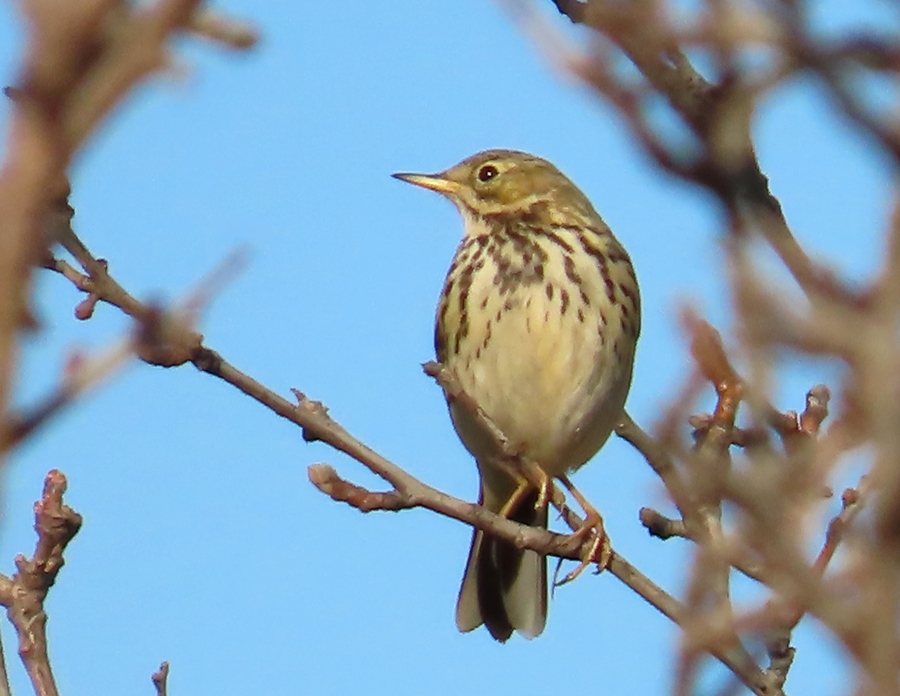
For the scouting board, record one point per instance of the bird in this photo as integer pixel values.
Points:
(538, 321)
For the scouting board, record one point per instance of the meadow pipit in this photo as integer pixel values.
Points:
(538, 320)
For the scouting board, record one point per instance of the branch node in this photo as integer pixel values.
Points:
(165, 339)
(315, 408)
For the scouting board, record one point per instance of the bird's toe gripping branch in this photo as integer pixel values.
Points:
(599, 550)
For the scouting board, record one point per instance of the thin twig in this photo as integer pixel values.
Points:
(4, 676)
(160, 679)
(82, 373)
(24, 593)
(224, 31)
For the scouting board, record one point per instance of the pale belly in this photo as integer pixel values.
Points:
(550, 374)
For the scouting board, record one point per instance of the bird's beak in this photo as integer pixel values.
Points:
(435, 182)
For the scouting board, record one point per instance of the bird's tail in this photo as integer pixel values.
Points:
(504, 587)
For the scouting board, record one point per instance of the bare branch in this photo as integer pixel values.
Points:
(4, 675)
(81, 373)
(160, 679)
(23, 595)
(81, 62)
(326, 479)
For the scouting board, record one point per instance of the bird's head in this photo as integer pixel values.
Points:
(498, 182)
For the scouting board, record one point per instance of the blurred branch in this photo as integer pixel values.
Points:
(708, 593)
(723, 161)
(774, 490)
(657, 456)
(159, 338)
(851, 504)
(81, 60)
(704, 471)
(129, 44)
(81, 373)
(223, 30)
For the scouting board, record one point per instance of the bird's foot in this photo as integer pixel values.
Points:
(599, 551)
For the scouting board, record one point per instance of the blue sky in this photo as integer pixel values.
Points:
(203, 542)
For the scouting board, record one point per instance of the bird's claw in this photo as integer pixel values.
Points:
(599, 551)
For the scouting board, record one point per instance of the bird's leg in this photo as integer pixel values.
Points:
(528, 474)
(528, 477)
(600, 550)
(543, 482)
(522, 489)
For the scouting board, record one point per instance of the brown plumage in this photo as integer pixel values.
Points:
(538, 319)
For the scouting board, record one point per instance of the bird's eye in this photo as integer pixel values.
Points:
(487, 172)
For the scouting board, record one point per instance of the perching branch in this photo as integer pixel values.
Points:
(317, 425)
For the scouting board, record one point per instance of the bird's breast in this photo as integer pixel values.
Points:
(540, 329)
